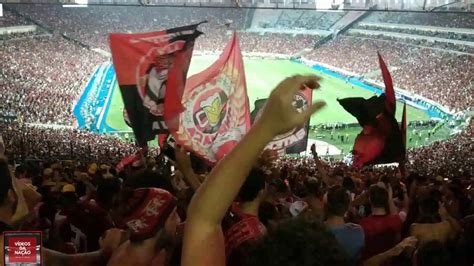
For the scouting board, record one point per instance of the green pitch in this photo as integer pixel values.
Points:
(262, 76)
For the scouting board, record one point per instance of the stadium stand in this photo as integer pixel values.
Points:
(373, 213)
(291, 19)
(451, 20)
(44, 76)
(9, 19)
(438, 75)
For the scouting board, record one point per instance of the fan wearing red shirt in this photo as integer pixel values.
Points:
(381, 229)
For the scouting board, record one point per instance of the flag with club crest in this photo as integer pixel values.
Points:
(147, 65)
(211, 114)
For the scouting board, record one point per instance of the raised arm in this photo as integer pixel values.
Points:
(203, 239)
(320, 167)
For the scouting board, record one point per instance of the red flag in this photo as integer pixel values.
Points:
(380, 140)
(389, 92)
(215, 107)
(147, 66)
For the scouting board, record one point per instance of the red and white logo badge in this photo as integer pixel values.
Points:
(22, 248)
(214, 116)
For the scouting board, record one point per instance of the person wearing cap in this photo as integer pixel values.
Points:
(150, 217)
(68, 188)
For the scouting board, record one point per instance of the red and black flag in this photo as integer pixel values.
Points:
(147, 66)
(296, 140)
(211, 115)
(380, 140)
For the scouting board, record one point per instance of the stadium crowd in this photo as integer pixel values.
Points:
(43, 76)
(92, 25)
(253, 208)
(425, 41)
(306, 19)
(39, 143)
(437, 75)
(447, 20)
(417, 31)
(9, 19)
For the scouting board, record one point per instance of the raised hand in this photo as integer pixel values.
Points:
(279, 115)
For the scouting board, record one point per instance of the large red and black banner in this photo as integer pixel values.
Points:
(296, 140)
(211, 115)
(148, 65)
(380, 140)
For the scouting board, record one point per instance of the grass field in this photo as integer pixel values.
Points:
(262, 76)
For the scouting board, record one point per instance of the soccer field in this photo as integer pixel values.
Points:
(262, 76)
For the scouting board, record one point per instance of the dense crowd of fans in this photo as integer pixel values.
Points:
(448, 158)
(43, 76)
(425, 42)
(253, 208)
(416, 31)
(450, 20)
(38, 143)
(92, 25)
(9, 19)
(437, 75)
(306, 19)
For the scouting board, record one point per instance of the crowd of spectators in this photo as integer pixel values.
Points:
(437, 75)
(306, 19)
(9, 19)
(252, 206)
(449, 158)
(93, 24)
(39, 143)
(43, 76)
(451, 35)
(446, 45)
(449, 20)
